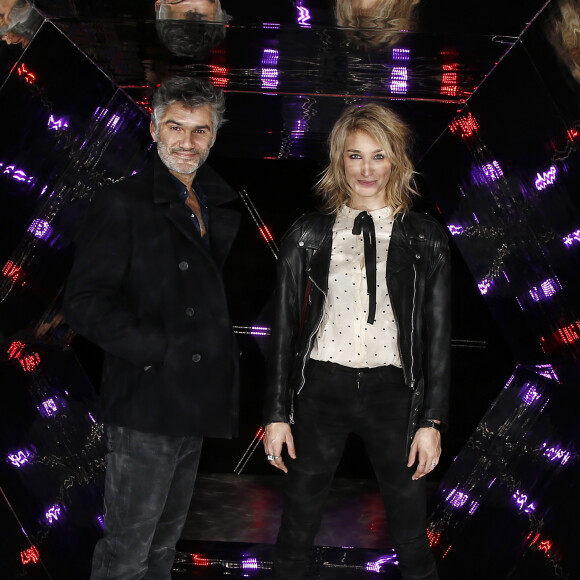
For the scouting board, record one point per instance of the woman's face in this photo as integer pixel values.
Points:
(367, 171)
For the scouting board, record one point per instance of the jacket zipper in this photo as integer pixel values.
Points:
(308, 349)
(412, 383)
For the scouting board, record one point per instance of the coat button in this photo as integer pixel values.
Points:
(183, 266)
(189, 311)
(196, 358)
(422, 236)
(418, 256)
(301, 244)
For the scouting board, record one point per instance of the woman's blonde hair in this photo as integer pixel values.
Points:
(394, 137)
(380, 24)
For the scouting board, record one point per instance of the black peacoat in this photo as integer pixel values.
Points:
(145, 289)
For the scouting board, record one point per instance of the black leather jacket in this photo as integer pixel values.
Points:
(418, 280)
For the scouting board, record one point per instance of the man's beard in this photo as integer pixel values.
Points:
(184, 167)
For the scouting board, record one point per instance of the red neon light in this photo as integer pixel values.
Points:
(449, 82)
(221, 79)
(466, 126)
(260, 434)
(572, 134)
(23, 72)
(568, 334)
(200, 560)
(446, 551)
(29, 362)
(545, 546)
(15, 349)
(266, 234)
(12, 271)
(30, 556)
(433, 537)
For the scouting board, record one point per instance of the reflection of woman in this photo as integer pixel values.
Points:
(360, 341)
(375, 23)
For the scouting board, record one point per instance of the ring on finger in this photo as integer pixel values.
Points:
(272, 457)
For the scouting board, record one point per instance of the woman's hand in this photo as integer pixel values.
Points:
(426, 450)
(276, 435)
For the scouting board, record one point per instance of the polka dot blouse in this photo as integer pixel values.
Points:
(344, 336)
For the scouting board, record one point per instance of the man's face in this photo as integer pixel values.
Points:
(184, 137)
(177, 9)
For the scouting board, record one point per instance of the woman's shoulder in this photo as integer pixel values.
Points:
(416, 222)
(311, 222)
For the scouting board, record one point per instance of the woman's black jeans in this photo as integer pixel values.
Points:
(375, 404)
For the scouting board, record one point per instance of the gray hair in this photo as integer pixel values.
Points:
(192, 93)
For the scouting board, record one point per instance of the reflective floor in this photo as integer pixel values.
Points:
(233, 522)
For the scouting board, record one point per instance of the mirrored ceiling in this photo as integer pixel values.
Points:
(290, 66)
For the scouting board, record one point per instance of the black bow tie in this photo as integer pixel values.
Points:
(364, 222)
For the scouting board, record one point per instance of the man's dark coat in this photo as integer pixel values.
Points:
(145, 289)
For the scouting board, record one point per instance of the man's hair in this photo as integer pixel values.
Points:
(394, 137)
(191, 38)
(192, 93)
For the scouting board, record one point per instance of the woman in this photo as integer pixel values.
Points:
(360, 341)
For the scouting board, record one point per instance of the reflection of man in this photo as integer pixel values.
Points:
(146, 287)
(18, 21)
(210, 10)
(190, 27)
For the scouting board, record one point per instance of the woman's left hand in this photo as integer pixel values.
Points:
(425, 450)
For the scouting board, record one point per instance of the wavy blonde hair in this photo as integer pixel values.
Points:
(382, 23)
(394, 137)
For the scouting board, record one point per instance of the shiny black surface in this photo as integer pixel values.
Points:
(491, 90)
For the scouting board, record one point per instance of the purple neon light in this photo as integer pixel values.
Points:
(260, 331)
(20, 458)
(398, 83)
(547, 371)
(303, 16)
(269, 78)
(53, 514)
(40, 229)
(16, 174)
(545, 290)
(271, 25)
(456, 498)
(529, 394)
(269, 57)
(401, 53)
(473, 507)
(572, 238)
(376, 565)
(546, 178)
(92, 418)
(522, 501)
(492, 171)
(485, 286)
(250, 564)
(455, 230)
(101, 522)
(556, 454)
(57, 124)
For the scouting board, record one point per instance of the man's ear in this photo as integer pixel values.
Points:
(152, 129)
(157, 5)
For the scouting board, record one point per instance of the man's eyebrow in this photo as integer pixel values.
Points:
(174, 122)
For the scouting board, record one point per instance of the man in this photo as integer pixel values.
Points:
(209, 10)
(146, 287)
